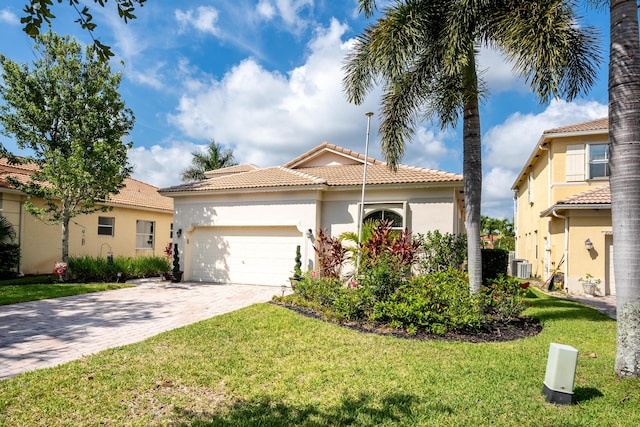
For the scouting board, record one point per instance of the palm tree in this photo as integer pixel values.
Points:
(424, 52)
(624, 140)
(214, 158)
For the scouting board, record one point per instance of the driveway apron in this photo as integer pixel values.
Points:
(42, 334)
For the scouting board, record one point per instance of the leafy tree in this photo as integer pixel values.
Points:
(498, 230)
(424, 52)
(214, 158)
(67, 111)
(39, 11)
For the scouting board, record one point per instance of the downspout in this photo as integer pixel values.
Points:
(547, 268)
(566, 245)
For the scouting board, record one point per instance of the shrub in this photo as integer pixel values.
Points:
(494, 264)
(9, 259)
(383, 277)
(504, 298)
(96, 269)
(354, 303)
(441, 252)
(323, 290)
(433, 303)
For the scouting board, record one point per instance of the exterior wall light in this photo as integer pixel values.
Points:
(179, 233)
(588, 244)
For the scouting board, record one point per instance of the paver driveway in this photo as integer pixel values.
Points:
(46, 333)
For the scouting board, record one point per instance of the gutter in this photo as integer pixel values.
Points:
(566, 242)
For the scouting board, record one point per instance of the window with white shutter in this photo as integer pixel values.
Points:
(575, 162)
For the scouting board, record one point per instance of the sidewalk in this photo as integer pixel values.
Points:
(41, 334)
(604, 304)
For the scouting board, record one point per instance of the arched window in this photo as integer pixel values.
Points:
(384, 215)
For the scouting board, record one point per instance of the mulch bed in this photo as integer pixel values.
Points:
(521, 327)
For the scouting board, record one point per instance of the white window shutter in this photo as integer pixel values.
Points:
(575, 162)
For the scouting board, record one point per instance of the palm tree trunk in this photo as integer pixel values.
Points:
(472, 173)
(624, 138)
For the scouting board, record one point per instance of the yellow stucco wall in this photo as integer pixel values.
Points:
(41, 244)
(542, 240)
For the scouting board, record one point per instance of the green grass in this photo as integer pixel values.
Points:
(269, 366)
(12, 294)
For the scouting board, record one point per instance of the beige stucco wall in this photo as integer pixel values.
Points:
(41, 244)
(334, 211)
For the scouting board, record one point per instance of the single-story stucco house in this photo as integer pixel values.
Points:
(138, 224)
(243, 223)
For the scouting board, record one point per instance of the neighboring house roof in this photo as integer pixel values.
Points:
(597, 198)
(593, 125)
(135, 193)
(598, 126)
(338, 167)
(230, 170)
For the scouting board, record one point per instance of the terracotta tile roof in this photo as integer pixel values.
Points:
(135, 193)
(596, 196)
(230, 170)
(326, 146)
(276, 176)
(379, 174)
(599, 124)
(346, 175)
(142, 195)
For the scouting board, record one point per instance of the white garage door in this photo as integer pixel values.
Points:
(247, 255)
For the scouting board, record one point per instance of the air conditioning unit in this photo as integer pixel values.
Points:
(524, 270)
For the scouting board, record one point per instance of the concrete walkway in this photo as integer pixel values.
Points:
(47, 333)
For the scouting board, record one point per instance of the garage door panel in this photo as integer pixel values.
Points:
(255, 255)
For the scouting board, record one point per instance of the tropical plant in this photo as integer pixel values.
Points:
(424, 53)
(7, 232)
(215, 157)
(331, 255)
(66, 110)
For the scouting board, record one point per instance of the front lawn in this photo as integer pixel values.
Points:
(12, 294)
(269, 366)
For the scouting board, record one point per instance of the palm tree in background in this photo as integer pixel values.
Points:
(424, 53)
(216, 157)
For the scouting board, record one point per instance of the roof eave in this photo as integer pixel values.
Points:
(569, 206)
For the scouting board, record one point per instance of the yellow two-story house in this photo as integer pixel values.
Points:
(562, 215)
(139, 223)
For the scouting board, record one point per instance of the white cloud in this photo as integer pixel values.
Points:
(289, 12)
(497, 72)
(270, 117)
(266, 9)
(162, 165)
(508, 146)
(203, 19)
(9, 17)
(429, 148)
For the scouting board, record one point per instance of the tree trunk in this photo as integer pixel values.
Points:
(624, 139)
(472, 173)
(66, 218)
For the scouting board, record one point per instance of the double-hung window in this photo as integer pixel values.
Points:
(598, 161)
(145, 234)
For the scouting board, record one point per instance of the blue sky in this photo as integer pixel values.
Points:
(263, 77)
